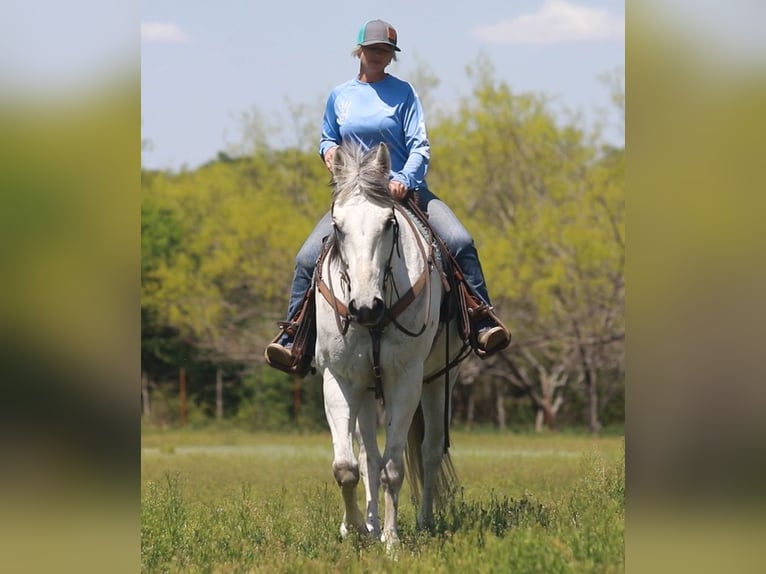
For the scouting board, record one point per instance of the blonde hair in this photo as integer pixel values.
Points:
(357, 52)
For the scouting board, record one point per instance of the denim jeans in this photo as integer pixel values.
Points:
(444, 223)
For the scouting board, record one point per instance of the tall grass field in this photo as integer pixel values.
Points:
(229, 501)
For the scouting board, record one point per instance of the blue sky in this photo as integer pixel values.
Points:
(203, 64)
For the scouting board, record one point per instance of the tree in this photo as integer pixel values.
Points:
(544, 200)
(547, 213)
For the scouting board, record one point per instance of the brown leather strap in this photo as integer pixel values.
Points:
(334, 302)
(424, 279)
(342, 318)
(404, 301)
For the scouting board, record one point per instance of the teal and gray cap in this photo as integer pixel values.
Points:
(377, 32)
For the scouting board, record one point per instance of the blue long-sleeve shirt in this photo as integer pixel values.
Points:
(386, 111)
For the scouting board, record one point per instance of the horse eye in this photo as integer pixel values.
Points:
(390, 221)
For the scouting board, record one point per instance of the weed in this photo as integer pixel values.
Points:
(232, 512)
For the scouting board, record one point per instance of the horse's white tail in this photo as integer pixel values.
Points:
(446, 479)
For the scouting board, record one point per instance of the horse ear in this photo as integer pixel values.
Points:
(338, 160)
(383, 157)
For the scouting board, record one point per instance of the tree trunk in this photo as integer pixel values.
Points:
(296, 398)
(259, 408)
(591, 392)
(608, 393)
(500, 403)
(218, 394)
(182, 393)
(145, 394)
(545, 416)
(558, 401)
(594, 424)
(470, 408)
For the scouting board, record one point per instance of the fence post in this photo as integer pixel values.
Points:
(182, 394)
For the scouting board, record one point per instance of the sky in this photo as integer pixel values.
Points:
(204, 64)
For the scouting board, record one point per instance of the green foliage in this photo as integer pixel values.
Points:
(276, 508)
(600, 487)
(542, 197)
(163, 522)
(166, 409)
(547, 211)
(494, 516)
(267, 400)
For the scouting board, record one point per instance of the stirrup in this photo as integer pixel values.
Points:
(492, 339)
(293, 361)
(288, 328)
(277, 354)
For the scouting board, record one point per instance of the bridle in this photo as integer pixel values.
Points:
(390, 313)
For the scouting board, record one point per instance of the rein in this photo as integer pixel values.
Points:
(343, 317)
(424, 280)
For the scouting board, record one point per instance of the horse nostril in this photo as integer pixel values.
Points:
(366, 315)
(377, 306)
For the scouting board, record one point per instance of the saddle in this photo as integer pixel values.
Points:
(459, 302)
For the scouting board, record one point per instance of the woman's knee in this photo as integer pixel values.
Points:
(447, 226)
(309, 252)
(458, 240)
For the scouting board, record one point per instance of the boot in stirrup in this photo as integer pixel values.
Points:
(280, 353)
(491, 337)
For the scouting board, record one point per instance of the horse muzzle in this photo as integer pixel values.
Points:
(367, 316)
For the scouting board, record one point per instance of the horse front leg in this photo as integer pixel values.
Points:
(369, 460)
(341, 401)
(401, 402)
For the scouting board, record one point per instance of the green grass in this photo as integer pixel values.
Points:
(229, 501)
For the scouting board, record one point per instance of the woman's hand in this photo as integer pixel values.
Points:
(328, 155)
(397, 190)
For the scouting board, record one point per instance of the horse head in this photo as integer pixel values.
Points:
(365, 227)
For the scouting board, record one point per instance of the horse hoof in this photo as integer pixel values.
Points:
(364, 530)
(391, 540)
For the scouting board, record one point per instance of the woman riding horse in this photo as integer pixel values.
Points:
(376, 107)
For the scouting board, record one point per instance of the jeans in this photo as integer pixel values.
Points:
(444, 223)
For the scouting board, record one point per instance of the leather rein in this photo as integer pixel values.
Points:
(342, 316)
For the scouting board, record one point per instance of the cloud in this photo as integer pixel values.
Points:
(162, 32)
(557, 21)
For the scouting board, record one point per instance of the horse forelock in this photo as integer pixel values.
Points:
(359, 172)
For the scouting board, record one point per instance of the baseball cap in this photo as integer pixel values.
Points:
(377, 32)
